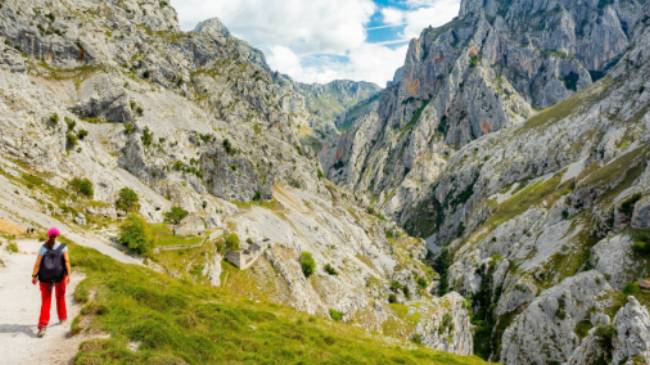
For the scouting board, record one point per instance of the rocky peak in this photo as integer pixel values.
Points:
(212, 26)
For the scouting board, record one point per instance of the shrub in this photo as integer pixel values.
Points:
(416, 338)
(137, 108)
(129, 128)
(627, 206)
(71, 140)
(228, 146)
(406, 291)
(307, 264)
(330, 270)
(392, 298)
(422, 282)
(82, 186)
(632, 288)
(134, 235)
(175, 215)
(70, 123)
(605, 333)
(231, 242)
(82, 134)
(395, 285)
(582, 328)
(258, 196)
(474, 60)
(53, 119)
(12, 247)
(335, 315)
(641, 244)
(447, 324)
(147, 137)
(127, 200)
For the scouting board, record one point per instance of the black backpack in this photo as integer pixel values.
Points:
(52, 268)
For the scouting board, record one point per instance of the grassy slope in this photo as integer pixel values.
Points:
(178, 322)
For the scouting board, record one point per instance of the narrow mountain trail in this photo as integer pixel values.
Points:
(19, 308)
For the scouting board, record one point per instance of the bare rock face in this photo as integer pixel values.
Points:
(230, 175)
(544, 332)
(613, 256)
(641, 216)
(448, 329)
(104, 99)
(631, 344)
(487, 69)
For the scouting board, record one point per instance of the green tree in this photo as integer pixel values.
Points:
(231, 242)
(175, 215)
(82, 186)
(127, 200)
(307, 263)
(134, 235)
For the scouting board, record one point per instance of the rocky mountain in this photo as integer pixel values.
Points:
(328, 103)
(543, 223)
(515, 140)
(98, 96)
(491, 67)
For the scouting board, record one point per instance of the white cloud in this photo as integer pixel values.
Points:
(291, 31)
(429, 13)
(392, 16)
(284, 59)
(369, 62)
(323, 26)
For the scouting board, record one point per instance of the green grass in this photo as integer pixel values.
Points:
(178, 321)
(571, 105)
(162, 235)
(617, 168)
(547, 191)
(12, 247)
(403, 324)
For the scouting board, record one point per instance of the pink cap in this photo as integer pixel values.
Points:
(53, 232)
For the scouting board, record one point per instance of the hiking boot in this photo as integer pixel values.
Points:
(40, 333)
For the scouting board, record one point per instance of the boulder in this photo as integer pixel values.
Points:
(641, 215)
(632, 339)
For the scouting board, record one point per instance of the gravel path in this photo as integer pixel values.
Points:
(19, 308)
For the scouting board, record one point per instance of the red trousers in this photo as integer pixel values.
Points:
(46, 302)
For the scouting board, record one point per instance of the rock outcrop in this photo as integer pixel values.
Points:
(631, 343)
(448, 329)
(544, 332)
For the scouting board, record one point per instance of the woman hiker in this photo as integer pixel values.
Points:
(52, 270)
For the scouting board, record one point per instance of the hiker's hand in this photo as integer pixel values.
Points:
(34, 280)
(67, 279)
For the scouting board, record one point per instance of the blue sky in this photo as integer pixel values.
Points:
(323, 40)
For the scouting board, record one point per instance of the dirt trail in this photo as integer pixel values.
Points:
(19, 308)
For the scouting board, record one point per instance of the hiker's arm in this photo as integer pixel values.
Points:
(37, 265)
(68, 269)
